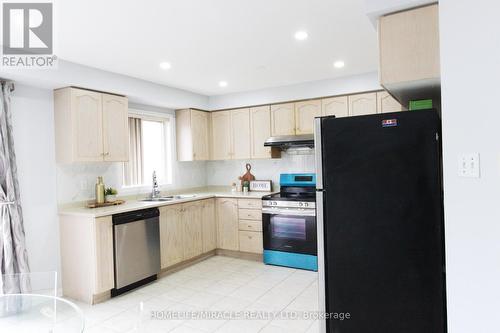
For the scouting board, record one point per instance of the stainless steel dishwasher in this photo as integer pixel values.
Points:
(136, 247)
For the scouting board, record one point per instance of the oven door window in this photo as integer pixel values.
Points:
(288, 227)
(289, 233)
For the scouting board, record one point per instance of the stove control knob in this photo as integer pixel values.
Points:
(306, 204)
(301, 204)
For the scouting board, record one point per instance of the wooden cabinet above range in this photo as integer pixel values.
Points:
(90, 126)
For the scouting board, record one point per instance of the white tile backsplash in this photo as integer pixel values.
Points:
(227, 172)
(76, 182)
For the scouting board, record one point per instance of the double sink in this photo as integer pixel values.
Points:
(170, 197)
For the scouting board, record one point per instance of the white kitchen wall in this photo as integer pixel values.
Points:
(33, 126)
(226, 172)
(470, 71)
(343, 85)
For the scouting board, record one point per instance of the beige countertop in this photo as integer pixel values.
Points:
(135, 203)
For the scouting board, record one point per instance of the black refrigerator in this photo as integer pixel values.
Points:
(380, 223)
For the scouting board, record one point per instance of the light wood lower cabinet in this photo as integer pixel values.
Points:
(250, 241)
(171, 235)
(87, 265)
(208, 225)
(103, 232)
(192, 223)
(227, 224)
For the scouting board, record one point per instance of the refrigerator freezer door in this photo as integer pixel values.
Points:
(383, 223)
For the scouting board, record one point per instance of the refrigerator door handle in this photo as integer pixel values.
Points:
(318, 153)
(321, 259)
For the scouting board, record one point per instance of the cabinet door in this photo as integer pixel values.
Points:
(283, 119)
(183, 135)
(362, 104)
(115, 128)
(305, 112)
(240, 134)
(86, 108)
(199, 132)
(227, 224)
(105, 276)
(208, 227)
(387, 103)
(191, 221)
(409, 45)
(260, 128)
(171, 235)
(221, 135)
(335, 106)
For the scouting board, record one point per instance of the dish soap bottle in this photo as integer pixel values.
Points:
(99, 191)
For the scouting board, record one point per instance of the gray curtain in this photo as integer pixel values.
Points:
(133, 169)
(13, 254)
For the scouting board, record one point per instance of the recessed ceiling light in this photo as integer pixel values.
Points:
(301, 35)
(165, 65)
(338, 64)
(222, 84)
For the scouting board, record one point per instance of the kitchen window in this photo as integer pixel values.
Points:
(150, 145)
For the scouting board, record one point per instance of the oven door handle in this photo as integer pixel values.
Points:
(289, 211)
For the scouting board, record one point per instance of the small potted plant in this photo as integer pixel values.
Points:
(110, 194)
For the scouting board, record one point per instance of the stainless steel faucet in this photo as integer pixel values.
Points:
(155, 193)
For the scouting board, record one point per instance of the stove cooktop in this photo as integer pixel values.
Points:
(283, 196)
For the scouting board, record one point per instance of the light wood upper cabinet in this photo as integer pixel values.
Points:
(240, 133)
(221, 135)
(227, 224)
(335, 106)
(192, 134)
(283, 119)
(115, 128)
(409, 46)
(260, 128)
(171, 235)
(362, 104)
(87, 133)
(90, 126)
(387, 103)
(305, 112)
(104, 273)
(208, 225)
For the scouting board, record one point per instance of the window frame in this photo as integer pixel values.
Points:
(168, 142)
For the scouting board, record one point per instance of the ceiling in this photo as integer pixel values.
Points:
(249, 44)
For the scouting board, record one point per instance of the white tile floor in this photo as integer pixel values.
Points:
(216, 284)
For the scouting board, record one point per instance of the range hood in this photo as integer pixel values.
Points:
(285, 142)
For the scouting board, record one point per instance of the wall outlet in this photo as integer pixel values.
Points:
(469, 166)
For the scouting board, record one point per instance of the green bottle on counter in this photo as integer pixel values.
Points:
(99, 191)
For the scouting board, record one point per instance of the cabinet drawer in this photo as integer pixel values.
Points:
(250, 203)
(250, 225)
(251, 241)
(250, 214)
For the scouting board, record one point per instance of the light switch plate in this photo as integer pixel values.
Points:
(469, 166)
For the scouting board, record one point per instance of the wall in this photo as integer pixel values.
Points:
(470, 70)
(33, 126)
(227, 172)
(344, 85)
